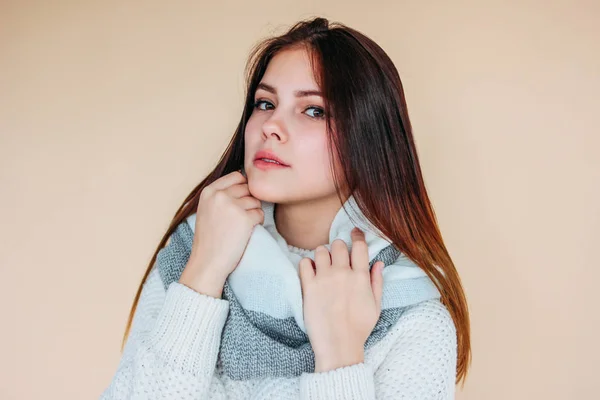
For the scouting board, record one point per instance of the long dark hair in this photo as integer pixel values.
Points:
(364, 99)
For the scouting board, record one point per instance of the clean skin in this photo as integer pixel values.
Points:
(342, 298)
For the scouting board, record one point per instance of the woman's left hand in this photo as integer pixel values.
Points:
(342, 301)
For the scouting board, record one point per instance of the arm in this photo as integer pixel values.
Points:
(173, 345)
(421, 364)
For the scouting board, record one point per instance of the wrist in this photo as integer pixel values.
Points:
(203, 282)
(335, 361)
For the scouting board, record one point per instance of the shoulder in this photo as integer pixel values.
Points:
(426, 330)
(425, 334)
(430, 315)
(421, 360)
(428, 325)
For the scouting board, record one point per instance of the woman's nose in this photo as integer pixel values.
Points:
(274, 127)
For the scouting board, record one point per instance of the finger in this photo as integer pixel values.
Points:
(238, 190)
(248, 202)
(322, 259)
(257, 215)
(359, 259)
(340, 256)
(377, 282)
(230, 179)
(306, 272)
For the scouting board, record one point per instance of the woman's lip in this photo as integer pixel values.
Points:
(266, 165)
(270, 155)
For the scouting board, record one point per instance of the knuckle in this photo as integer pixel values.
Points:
(342, 276)
(220, 196)
(206, 192)
(238, 174)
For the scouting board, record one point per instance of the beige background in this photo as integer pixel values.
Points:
(111, 111)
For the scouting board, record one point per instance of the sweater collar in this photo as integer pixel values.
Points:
(348, 216)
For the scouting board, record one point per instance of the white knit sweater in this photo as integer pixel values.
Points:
(173, 346)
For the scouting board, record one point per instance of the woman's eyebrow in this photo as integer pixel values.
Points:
(297, 93)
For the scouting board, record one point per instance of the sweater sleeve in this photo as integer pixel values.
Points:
(421, 364)
(173, 345)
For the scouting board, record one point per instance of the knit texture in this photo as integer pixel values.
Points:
(264, 334)
(173, 346)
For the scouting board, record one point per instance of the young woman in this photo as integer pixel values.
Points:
(308, 264)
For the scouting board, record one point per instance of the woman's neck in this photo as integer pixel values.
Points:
(307, 224)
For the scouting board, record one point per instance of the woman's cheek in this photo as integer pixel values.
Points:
(316, 159)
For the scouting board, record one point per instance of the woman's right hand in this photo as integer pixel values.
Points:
(225, 218)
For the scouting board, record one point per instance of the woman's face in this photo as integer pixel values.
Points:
(292, 126)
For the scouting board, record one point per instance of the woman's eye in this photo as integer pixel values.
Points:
(319, 111)
(259, 103)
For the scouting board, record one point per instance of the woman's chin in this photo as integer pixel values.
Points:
(265, 191)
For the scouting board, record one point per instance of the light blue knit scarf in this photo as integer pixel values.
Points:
(264, 335)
